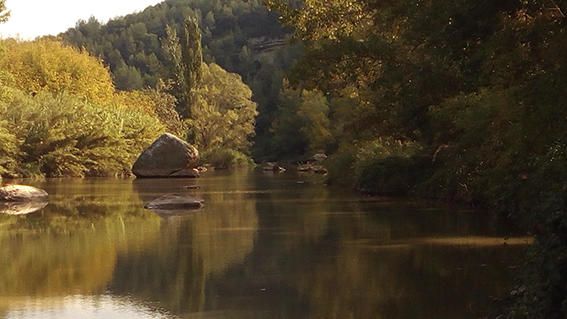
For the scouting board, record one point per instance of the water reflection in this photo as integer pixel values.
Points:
(100, 307)
(262, 247)
(21, 208)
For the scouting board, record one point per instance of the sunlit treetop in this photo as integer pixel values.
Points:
(324, 19)
(48, 65)
(4, 13)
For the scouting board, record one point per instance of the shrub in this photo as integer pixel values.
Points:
(8, 150)
(382, 166)
(48, 65)
(68, 136)
(226, 158)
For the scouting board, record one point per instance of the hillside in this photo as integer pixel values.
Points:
(241, 36)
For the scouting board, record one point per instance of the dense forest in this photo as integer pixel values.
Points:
(462, 100)
(240, 36)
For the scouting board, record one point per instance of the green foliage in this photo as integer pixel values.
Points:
(226, 158)
(242, 37)
(187, 58)
(60, 114)
(382, 166)
(223, 116)
(8, 149)
(164, 43)
(477, 84)
(156, 103)
(47, 65)
(67, 136)
(130, 76)
(302, 124)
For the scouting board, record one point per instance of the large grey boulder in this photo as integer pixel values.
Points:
(21, 193)
(168, 156)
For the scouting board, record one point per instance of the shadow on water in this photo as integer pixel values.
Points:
(262, 247)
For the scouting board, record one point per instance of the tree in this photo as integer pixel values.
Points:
(60, 114)
(4, 13)
(187, 58)
(302, 125)
(157, 103)
(128, 78)
(224, 114)
(477, 86)
(192, 54)
(48, 65)
(228, 27)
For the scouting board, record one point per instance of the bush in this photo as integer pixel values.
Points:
(340, 166)
(61, 116)
(382, 166)
(48, 65)
(226, 158)
(8, 150)
(394, 176)
(68, 136)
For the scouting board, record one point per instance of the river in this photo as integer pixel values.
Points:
(264, 246)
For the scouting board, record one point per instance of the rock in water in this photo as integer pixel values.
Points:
(273, 167)
(168, 156)
(321, 157)
(20, 193)
(174, 202)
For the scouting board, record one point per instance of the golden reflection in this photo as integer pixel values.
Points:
(262, 247)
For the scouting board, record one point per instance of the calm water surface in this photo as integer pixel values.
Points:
(264, 246)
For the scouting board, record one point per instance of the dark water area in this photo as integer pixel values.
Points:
(264, 246)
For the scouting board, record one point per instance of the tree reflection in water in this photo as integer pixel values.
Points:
(263, 247)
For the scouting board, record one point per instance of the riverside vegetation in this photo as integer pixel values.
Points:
(460, 100)
(61, 114)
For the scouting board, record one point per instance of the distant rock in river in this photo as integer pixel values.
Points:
(175, 202)
(168, 156)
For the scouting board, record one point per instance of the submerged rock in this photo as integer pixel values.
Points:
(187, 172)
(304, 167)
(21, 193)
(318, 169)
(273, 167)
(173, 202)
(21, 208)
(321, 157)
(311, 168)
(168, 156)
(202, 169)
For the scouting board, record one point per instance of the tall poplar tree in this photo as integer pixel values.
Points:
(186, 56)
(192, 54)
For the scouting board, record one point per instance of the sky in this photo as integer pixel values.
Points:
(32, 18)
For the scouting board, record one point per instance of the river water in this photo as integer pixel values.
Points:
(264, 246)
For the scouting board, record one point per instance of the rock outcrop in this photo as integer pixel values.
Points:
(168, 156)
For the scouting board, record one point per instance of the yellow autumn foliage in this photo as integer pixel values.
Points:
(60, 114)
(48, 65)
